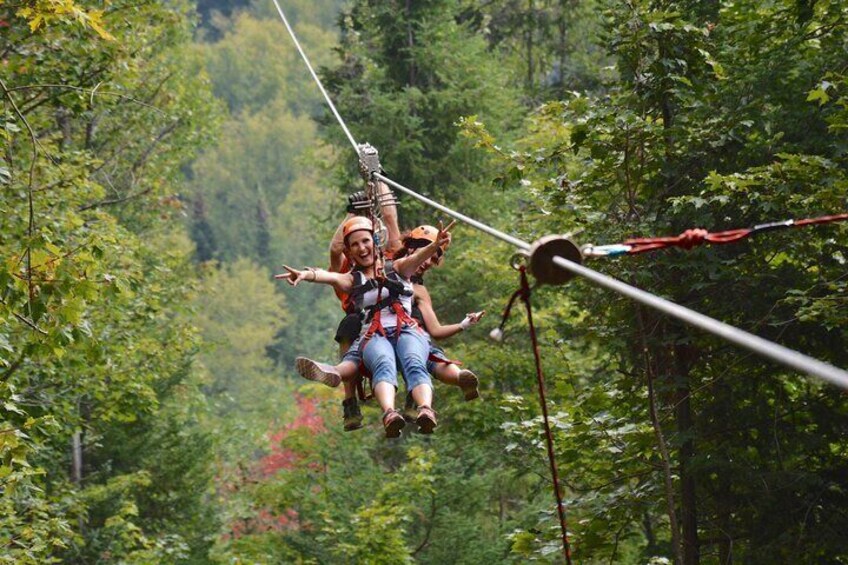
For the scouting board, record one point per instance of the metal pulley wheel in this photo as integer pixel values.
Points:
(542, 253)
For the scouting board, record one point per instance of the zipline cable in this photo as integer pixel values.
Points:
(317, 80)
(758, 345)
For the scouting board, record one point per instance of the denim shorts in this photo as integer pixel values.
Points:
(383, 355)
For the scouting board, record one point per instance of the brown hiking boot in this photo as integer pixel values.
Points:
(318, 372)
(426, 420)
(352, 414)
(468, 382)
(393, 422)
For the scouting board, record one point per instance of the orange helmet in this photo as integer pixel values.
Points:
(356, 223)
(428, 234)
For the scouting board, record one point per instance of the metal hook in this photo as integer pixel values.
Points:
(518, 260)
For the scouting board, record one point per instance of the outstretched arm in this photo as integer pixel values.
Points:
(406, 266)
(431, 321)
(343, 282)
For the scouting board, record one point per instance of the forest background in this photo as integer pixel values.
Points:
(161, 160)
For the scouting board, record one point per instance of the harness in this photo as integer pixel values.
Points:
(353, 302)
(371, 315)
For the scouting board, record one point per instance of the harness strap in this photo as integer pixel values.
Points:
(403, 318)
(436, 359)
(360, 383)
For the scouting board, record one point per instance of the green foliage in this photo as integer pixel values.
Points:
(407, 76)
(259, 189)
(647, 118)
(94, 286)
(703, 128)
(238, 314)
(554, 47)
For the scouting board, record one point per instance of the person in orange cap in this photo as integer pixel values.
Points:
(438, 364)
(391, 336)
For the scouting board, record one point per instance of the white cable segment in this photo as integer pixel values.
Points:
(317, 80)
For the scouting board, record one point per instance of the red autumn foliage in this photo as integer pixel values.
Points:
(282, 457)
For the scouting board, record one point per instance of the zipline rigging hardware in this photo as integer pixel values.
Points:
(697, 236)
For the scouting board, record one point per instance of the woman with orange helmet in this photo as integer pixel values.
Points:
(438, 363)
(351, 325)
(391, 336)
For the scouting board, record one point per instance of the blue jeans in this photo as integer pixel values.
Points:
(409, 350)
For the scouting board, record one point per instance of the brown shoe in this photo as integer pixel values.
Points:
(393, 423)
(468, 382)
(426, 420)
(318, 372)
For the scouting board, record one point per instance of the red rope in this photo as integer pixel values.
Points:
(822, 220)
(524, 292)
(697, 236)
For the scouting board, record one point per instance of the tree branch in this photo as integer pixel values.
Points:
(92, 91)
(426, 540)
(13, 367)
(31, 206)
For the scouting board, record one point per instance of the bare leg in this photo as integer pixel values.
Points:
(385, 394)
(423, 395)
(450, 374)
(348, 371)
(349, 383)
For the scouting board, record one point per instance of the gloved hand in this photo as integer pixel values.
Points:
(471, 319)
(357, 202)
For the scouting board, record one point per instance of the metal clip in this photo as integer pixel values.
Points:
(381, 234)
(518, 259)
(369, 161)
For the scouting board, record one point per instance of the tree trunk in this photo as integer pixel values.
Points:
(76, 470)
(688, 503)
(76, 458)
(410, 43)
(656, 364)
(529, 38)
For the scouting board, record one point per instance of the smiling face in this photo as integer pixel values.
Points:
(360, 248)
(426, 265)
